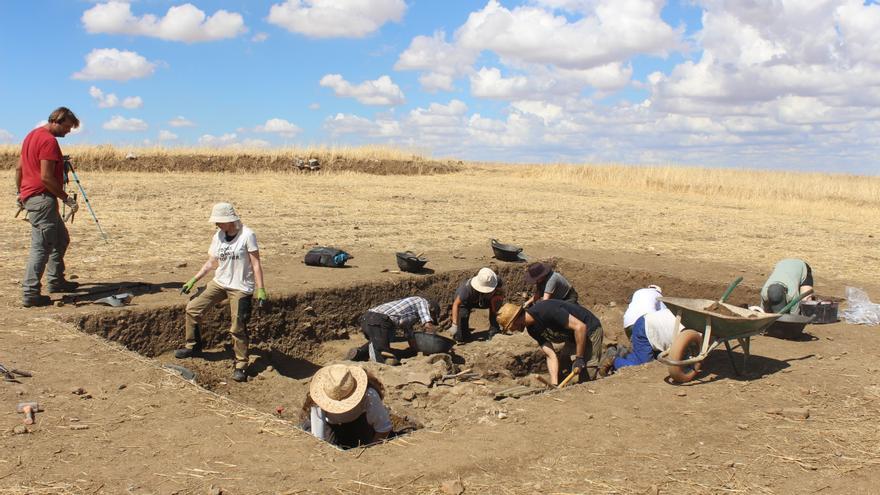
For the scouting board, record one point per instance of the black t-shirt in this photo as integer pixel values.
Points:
(472, 298)
(551, 320)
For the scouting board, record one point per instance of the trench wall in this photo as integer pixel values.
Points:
(296, 324)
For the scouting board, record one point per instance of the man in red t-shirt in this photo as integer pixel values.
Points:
(39, 180)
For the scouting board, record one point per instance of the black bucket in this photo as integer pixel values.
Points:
(429, 343)
(824, 311)
(506, 252)
(410, 262)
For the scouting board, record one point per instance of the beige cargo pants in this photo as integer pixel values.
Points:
(240, 313)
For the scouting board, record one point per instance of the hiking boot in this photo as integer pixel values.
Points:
(239, 375)
(63, 286)
(606, 364)
(188, 352)
(34, 301)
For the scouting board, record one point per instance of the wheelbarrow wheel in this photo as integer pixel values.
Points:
(686, 345)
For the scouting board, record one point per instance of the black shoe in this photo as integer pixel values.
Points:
(239, 375)
(63, 286)
(34, 301)
(188, 352)
(462, 336)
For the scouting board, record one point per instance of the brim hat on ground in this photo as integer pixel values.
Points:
(508, 314)
(223, 213)
(537, 271)
(486, 281)
(776, 294)
(338, 388)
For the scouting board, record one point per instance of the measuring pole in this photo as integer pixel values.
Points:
(85, 196)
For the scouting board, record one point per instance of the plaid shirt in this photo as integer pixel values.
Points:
(405, 312)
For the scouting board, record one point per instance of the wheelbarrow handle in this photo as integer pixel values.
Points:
(794, 301)
(730, 289)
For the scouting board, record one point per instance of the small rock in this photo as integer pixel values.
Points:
(681, 393)
(590, 416)
(86, 396)
(502, 415)
(79, 427)
(270, 368)
(796, 412)
(452, 487)
(78, 391)
(384, 270)
(20, 430)
(59, 303)
(73, 419)
(408, 395)
(72, 277)
(742, 426)
(818, 356)
(612, 304)
(182, 264)
(121, 387)
(830, 338)
(215, 490)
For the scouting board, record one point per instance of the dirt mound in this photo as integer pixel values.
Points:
(248, 163)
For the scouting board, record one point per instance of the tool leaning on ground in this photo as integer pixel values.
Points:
(9, 374)
(68, 166)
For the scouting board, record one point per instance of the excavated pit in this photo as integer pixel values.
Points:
(298, 333)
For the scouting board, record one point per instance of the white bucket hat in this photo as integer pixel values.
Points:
(223, 213)
(485, 281)
(338, 388)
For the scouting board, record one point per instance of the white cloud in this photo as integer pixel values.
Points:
(335, 18)
(231, 140)
(218, 141)
(590, 49)
(6, 136)
(279, 126)
(113, 64)
(110, 100)
(314, 106)
(181, 23)
(181, 121)
(165, 135)
(120, 123)
(73, 132)
(260, 37)
(381, 91)
(352, 124)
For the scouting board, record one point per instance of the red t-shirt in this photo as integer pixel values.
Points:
(39, 144)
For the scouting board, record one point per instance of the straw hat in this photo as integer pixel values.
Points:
(508, 314)
(537, 271)
(223, 213)
(485, 281)
(338, 388)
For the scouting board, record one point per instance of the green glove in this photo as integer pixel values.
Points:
(188, 286)
(261, 296)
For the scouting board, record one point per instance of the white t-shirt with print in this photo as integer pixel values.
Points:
(234, 270)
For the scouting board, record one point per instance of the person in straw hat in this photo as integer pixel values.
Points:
(344, 406)
(482, 291)
(553, 322)
(238, 276)
(549, 284)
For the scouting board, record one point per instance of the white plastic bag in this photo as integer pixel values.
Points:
(860, 310)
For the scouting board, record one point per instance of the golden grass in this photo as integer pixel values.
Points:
(85, 153)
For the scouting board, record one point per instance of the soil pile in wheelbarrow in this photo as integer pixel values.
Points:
(719, 308)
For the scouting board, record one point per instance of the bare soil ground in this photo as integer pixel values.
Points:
(140, 428)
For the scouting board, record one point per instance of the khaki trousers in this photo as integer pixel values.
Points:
(593, 353)
(240, 313)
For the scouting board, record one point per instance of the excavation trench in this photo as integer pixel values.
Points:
(298, 333)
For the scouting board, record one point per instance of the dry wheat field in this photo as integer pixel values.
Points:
(138, 428)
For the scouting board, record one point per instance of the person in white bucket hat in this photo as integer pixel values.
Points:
(238, 276)
(344, 407)
(484, 291)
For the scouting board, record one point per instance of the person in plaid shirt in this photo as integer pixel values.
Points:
(381, 323)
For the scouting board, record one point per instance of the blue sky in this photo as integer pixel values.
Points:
(766, 84)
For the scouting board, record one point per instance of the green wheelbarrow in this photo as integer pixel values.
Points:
(708, 324)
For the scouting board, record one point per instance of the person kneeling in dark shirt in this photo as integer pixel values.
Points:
(554, 321)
